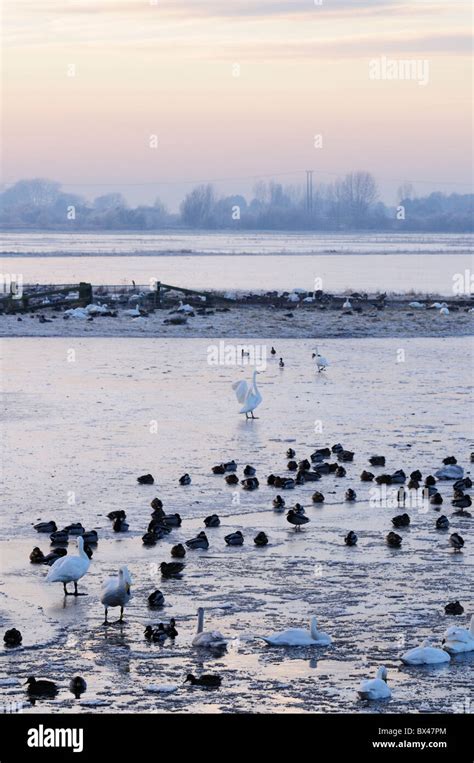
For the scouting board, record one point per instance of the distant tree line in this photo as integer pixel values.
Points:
(347, 204)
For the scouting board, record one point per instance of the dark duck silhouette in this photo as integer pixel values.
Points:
(178, 551)
(296, 518)
(212, 521)
(206, 680)
(454, 608)
(171, 569)
(278, 502)
(200, 541)
(12, 637)
(250, 471)
(456, 541)
(156, 600)
(377, 460)
(145, 479)
(401, 520)
(318, 497)
(232, 479)
(351, 538)
(261, 539)
(234, 539)
(442, 523)
(393, 540)
(41, 688)
(77, 686)
(350, 495)
(185, 479)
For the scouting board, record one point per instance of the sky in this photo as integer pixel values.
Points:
(150, 97)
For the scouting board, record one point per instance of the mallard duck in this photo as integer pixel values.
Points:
(317, 497)
(288, 484)
(456, 541)
(292, 466)
(416, 475)
(46, 527)
(156, 504)
(36, 556)
(337, 448)
(12, 637)
(462, 484)
(171, 569)
(261, 539)
(230, 466)
(206, 680)
(178, 551)
(219, 469)
(375, 688)
(41, 688)
(250, 471)
(145, 479)
(345, 455)
(398, 477)
(58, 552)
(442, 523)
(200, 541)
(120, 525)
(449, 460)
(234, 539)
(351, 538)
(281, 363)
(156, 600)
(384, 479)
(350, 495)
(297, 519)
(377, 460)
(251, 483)
(340, 471)
(413, 484)
(151, 538)
(320, 453)
(156, 634)
(436, 499)
(212, 521)
(454, 608)
(463, 502)
(278, 503)
(60, 537)
(185, 479)
(77, 686)
(290, 453)
(393, 540)
(401, 520)
(119, 514)
(91, 537)
(232, 479)
(430, 481)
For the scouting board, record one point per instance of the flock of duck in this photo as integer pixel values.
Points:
(116, 591)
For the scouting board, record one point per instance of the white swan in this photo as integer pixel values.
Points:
(134, 312)
(69, 569)
(184, 308)
(425, 655)
(444, 311)
(347, 304)
(116, 592)
(207, 638)
(248, 395)
(417, 305)
(299, 637)
(457, 640)
(375, 688)
(321, 363)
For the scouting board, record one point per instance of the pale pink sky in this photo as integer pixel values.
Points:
(167, 69)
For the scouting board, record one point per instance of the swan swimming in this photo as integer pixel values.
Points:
(425, 655)
(375, 688)
(69, 569)
(321, 363)
(116, 592)
(248, 395)
(299, 637)
(457, 640)
(207, 638)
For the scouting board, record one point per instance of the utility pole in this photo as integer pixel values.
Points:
(309, 190)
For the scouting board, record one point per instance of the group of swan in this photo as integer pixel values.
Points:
(456, 640)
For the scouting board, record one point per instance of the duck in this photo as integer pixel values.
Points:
(299, 637)
(261, 539)
(384, 479)
(442, 523)
(250, 471)
(200, 541)
(70, 569)
(292, 466)
(178, 551)
(281, 363)
(171, 628)
(207, 639)
(340, 472)
(157, 634)
(320, 454)
(120, 525)
(350, 495)
(60, 537)
(394, 540)
(456, 541)
(454, 608)
(218, 469)
(337, 448)
(425, 654)
(156, 600)
(58, 552)
(116, 592)
(375, 688)
(12, 637)
(317, 497)
(457, 640)
(41, 688)
(185, 479)
(36, 556)
(230, 466)
(462, 484)
(287, 484)
(232, 479)
(77, 686)
(146, 479)
(290, 453)
(463, 502)
(278, 503)
(398, 477)
(401, 520)
(366, 476)
(212, 521)
(250, 483)
(273, 351)
(206, 680)
(167, 520)
(297, 518)
(46, 527)
(345, 455)
(234, 539)
(377, 460)
(156, 504)
(151, 538)
(436, 499)
(171, 569)
(351, 538)
(118, 514)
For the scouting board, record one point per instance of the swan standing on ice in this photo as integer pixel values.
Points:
(299, 637)
(425, 655)
(321, 363)
(185, 309)
(248, 395)
(116, 592)
(207, 638)
(70, 569)
(457, 640)
(375, 688)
